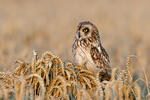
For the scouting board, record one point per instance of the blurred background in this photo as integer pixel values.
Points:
(50, 25)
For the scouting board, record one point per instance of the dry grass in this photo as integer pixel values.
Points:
(49, 78)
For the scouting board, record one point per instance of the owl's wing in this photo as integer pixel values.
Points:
(101, 59)
(105, 54)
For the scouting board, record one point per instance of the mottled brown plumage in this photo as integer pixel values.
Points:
(87, 50)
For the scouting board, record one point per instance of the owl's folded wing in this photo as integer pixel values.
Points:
(101, 59)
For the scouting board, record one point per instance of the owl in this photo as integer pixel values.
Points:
(87, 50)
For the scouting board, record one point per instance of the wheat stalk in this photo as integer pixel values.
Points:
(49, 78)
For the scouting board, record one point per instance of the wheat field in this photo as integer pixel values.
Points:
(50, 25)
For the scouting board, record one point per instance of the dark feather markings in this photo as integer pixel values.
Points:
(99, 60)
(84, 42)
(105, 53)
(95, 35)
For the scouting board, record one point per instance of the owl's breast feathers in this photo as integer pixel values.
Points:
(78, 55)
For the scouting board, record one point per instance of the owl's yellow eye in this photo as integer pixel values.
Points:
(86, 30)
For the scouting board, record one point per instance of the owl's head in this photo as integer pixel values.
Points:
(86, 29)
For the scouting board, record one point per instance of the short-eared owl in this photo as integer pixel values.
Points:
(87, 50)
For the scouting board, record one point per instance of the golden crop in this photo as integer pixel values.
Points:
(49, 78)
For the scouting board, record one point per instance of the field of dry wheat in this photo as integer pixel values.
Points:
(50, 25)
